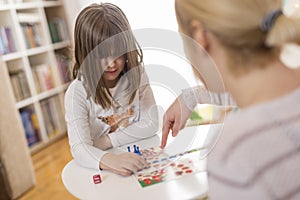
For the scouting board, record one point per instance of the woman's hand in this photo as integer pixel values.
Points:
(124, 164)
(174, 119)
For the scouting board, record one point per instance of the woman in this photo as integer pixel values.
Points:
(257, 155)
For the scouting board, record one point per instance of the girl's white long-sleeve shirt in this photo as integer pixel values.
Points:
(86, 129)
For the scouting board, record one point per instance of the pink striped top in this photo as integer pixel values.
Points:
(258, 154)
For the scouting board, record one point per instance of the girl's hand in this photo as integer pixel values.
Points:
(124, 164)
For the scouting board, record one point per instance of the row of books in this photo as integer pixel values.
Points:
(63, 63)
(6, 41)
(58, 30)
(31, 125)
(18, 1)
(31, 29)
(32, 35)
(43, 77)
(3, 2)
(32, 32)
(20, 85)
(53, 116)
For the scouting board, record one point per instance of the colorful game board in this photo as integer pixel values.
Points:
(163, 167)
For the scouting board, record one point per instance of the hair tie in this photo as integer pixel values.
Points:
(269, 20)
(290, 54)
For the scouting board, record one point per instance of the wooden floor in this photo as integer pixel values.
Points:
(48, 165)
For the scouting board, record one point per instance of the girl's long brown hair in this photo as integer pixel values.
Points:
(101, 31)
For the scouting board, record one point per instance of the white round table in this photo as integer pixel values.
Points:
(79, 180)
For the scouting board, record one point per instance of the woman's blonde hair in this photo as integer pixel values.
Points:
(102, 31)
(236, 24)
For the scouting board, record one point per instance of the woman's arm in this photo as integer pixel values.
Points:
(178, 113)
(194, 95)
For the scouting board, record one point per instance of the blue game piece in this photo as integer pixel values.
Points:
(135, 150)
(138, 150)
(128, 148)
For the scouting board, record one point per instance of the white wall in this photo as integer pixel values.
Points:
(72, 8)
(144, 13)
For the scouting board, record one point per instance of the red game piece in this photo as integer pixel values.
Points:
(154, 176)
(188, 171)
(184, 168)
(97, 178)
(180, 165)
(178, 173)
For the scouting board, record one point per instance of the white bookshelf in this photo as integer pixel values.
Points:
(36, 45)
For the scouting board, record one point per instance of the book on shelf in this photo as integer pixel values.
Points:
(31, 29)
(15, 83)
(7, 44)
(30, 125)
(36, 31)
(53, 116)
(49, 125)
(58, 30)
(35, 124)
(32, 35)
(43, 77)
(63, 63)
(57, 114)
(20, 85)
(24, 85)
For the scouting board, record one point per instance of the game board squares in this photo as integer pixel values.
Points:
(163, 167)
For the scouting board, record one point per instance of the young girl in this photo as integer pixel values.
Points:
(252, 44)
(110, 102)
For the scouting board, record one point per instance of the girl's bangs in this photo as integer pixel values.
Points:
(114, 46)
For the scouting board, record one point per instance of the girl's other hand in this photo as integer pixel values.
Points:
(124, 164)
